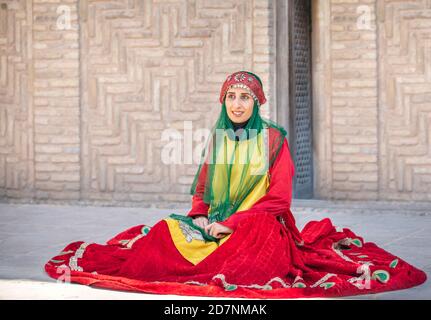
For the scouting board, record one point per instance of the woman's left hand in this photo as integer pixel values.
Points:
(217, 230)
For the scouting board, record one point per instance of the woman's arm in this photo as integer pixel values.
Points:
(199, 207)
(279, 196)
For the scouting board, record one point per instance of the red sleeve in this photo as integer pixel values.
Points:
(279, 196)
(199, 207)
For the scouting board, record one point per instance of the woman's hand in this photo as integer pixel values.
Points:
(217, 230)
(201, 221)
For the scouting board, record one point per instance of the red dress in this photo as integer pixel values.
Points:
(266, 256)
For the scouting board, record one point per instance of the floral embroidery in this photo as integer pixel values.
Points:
(323, 279)
(344, 244)
(362, 282)
(73, 262)
(189, 232)
(132, 241)
(239, 77)
(128, 243)
(337, 249)
(266, 286)
(297, 283)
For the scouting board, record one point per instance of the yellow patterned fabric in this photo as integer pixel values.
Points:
(190, 243)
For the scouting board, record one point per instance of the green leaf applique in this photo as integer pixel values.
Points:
(327, 285)
(145, 230)
(66, 252)
(57, 261)
(299, 285)
(231, 287)
(356, 242)
(381, 275)
(394, 263)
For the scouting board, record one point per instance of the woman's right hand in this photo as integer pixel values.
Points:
(201, 221)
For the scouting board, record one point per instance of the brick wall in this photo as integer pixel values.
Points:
(56, 126)
(372, 90)
(88, 87)
(354, 101)
(91, 85)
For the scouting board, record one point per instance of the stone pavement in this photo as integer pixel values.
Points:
(31, 234)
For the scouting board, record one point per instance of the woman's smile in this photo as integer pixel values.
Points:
(238, 113)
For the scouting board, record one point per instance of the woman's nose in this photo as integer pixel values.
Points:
(237, 103)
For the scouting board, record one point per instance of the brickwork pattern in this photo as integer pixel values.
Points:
(16, 109)
(354, 100)
(372, 99)
(405, 99)
(56, 100)
(87, 88)
(96, 83)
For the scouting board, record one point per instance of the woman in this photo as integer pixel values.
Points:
(239, 239)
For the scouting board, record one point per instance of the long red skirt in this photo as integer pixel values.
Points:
(259, 260)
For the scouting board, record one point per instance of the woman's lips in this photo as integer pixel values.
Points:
(237, 113)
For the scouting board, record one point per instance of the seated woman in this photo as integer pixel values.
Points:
(240, 238)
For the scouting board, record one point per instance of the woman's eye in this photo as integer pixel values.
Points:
(244, 97)
(231, 96)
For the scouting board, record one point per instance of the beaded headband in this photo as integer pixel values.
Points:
(245, 80)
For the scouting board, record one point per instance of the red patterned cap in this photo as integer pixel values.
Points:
(245, 80)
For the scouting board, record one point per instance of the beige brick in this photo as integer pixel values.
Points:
(65, 158)
(65, 177)
(66, 195)
(48, 149)
(48, 167)
(42, 185)
(360, 177)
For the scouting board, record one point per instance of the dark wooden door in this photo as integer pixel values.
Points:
(295, 110)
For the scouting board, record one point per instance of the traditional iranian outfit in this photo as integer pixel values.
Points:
(244, 182)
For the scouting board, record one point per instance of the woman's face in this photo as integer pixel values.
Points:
(239, 105)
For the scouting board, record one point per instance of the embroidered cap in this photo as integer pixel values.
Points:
(247, 81)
